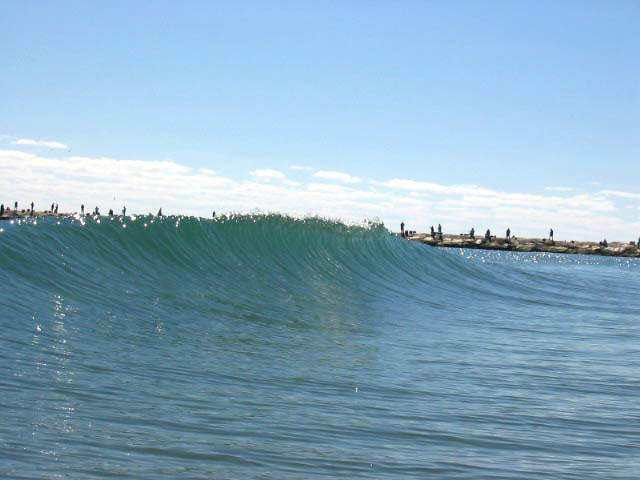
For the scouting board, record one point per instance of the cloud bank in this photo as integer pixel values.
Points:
(145, 186)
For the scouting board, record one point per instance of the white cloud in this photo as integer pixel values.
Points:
(328, 187)
(300, 167)
(579, 216)
(41, 143)
(560, 189)
(618, 193)
(338, 176)
(404, 184)
(269, 173)
(475, 196)
(75, 180)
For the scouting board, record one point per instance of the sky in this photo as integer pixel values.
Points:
(485, 114)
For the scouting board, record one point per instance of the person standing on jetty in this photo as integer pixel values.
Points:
(124, 211)
(160, 212)
(402, 229)
(487, 235)
(472, 233)
(97, 211)
(52, 205)
(440, 231)
(15, 206)
(551, 234)
(2, 210)
(508, 233)
(82, 209)
(56, 212)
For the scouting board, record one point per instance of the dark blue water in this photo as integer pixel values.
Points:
(268, 347)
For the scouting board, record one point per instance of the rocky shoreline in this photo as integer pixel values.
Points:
(15, 215)
(612, 249)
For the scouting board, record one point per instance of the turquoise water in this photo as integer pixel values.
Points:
(268, 347)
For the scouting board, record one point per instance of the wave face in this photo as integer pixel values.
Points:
(273, 347)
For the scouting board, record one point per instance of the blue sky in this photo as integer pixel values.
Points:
(520, 98)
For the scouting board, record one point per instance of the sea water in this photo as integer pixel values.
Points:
(279, 348)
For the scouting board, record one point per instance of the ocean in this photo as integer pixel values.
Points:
(270, 347)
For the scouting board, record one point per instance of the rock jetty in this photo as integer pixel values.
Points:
(16, 214)
(516, 244)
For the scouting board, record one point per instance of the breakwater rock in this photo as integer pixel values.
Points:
(615, 249)
(18, 214)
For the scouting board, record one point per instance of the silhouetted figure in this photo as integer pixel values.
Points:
(15, 206)
(160, 212)
(214, 214)
(638, 242)
(97, 211)
(52, 205)
(604, 243)
(82, 209)
(402, 229)
(56, 208)
(508, 233)
(472, 233)
(124, 211)
(1, 209)
(487, 235)
(433, 232)
(551, 234)
(32, 209)
(111, 212)
(440, 231)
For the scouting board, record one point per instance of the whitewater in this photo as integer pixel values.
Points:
(265, 346)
